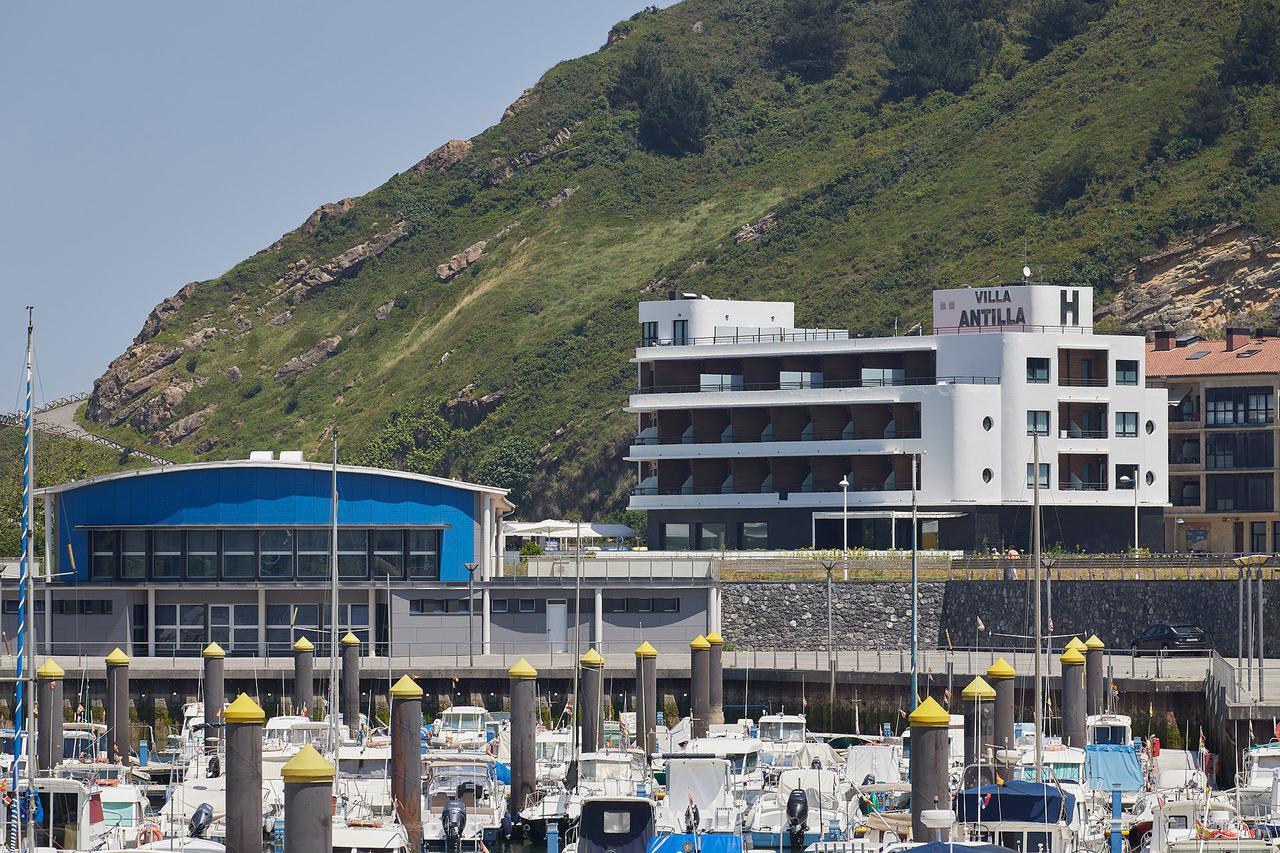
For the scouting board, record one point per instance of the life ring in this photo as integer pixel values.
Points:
(108, 783)
(148, 834)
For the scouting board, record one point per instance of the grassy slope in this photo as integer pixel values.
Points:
(878, 203)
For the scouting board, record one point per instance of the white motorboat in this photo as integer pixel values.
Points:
(742, 753)
(807, 806)
(462, 727)
(782, 736)
(552, 752)
(700, 798)
(470, 780)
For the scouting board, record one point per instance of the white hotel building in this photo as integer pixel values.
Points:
(748, 426)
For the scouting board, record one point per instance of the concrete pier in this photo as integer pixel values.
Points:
(214, 696)
(699, 684)
(49, 720)
(304, 661)
(406, 757)
(308, 803)
(592, 716)
(351, 684)
(244, 720)
(929, 755)
(1001, 676)
(646, 697)
(118, 707)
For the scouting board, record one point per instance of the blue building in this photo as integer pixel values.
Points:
(162, 561)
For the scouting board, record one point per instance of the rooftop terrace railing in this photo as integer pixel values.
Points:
(826, 384)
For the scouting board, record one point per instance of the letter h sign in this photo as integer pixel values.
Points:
(1070, 308)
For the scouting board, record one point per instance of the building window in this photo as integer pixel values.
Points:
(1236, 492)
(239, 554)
(1038, 370)
(615, 605)
(1044, 475)
(1126, 372)
(457, 605)
(133, 544)
(166, 559)
(879, 377)
(711, 536)
(528, 605)
(498, 605)
(313, 553)
(987, 475)
(649, 333)
(666, 605)
(1126, 424)
(1239, 406)
(202, 554)
(423, 606)
(180, 628)
(353, 554)
(1150, 478)
(276, 562)
(1037, 423)
(424, 554)
(1258, 537)
(102, 561)
(987, 423)
(140, 631)
(388, 554)
(675, 536)
(790, 380)
(680, 332)
(753, 535)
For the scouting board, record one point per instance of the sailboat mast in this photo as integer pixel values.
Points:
(333, 603)
(26, 637)
(1035, 561)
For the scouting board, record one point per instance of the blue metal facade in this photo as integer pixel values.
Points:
(266, 496)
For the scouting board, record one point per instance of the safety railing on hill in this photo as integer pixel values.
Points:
(16, 419)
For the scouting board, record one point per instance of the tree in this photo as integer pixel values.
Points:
(1065, 180)
(1205, 117)
(942, 44)
(811, 41)
(675, 116)
(1252, 56)
(637, 77)
(1051, 22)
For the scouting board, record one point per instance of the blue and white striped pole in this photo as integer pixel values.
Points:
(24, 565)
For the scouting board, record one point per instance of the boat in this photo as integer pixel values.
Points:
(742, 753)
(618, 824)
(552, 752)
(807, 806)
(462, 727)
(700, 798)
(1108, 730)
(1018, 815)
(470, 780)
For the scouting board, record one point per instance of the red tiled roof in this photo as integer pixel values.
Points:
(1217, 362)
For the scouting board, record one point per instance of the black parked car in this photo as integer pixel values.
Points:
(1170, 638)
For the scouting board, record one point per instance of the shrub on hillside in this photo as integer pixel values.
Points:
(1206, 115)
(1252, 56)
(943, 44)
(675, 116)
(811, 41)
(1065, 180)
(637, 77)
(1051, 22)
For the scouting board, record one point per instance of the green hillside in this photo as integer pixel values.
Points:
(633, 169)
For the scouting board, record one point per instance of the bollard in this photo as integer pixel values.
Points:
(118, 707)
(1073, 698)
(717, 678)
(647, 698)
(699, 684)
(308, 803)
(553, 836)
(304, 662)
(406, 757)
(244, 720)
(592, 710)
(49, 715)
(1001, 676)
(214, 696)
(351, 684)
(1116, 842)
(930, 723)
(978, 696)
(1094, 665)
(523, 687)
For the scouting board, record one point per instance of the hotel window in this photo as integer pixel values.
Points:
(675, 536)
(202, 554)
(1126, 424)
(753, 534)
(133, 544)
(649, 333)
(1044, 475)
(239, 554)
(313, 553)
(353, 554)
(457, 605)
(711, 536)
(1037, 423)
(615, 605)
(423, 606)
(1038, 370)
(276, 562)
(1258, 537)
(424, 554)
(166, 559)
(789, 380)
(666, 605)
(388, 554)
(680, 332)
(102, 563)
(882, 376)
(1126, 372)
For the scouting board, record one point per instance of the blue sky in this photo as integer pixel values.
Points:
(147, 144)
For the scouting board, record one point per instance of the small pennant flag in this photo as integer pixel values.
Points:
(946, 695)
(999, 779)
(986, 800)
(981, 627)
(902, 713)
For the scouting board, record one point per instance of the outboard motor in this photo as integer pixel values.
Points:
(691, 818)
(453, 817)
(797, 817)
(201, 820)
(215, 768)
(816, 764)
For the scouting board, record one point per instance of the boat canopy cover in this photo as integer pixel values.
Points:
(1027, 802)
(1109, 764)
(704, 842)
(616, 825)
(945, 847)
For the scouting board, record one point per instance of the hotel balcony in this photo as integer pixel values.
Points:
(769, 424)
(1082, 420)
(776, 477)
(1082, 368)
(1082, 472)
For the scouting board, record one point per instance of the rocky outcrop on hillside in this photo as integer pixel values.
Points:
(464, 410)
(183, 427)
(453, 151)
(306, 362)
(304, 280)
(323, 212)
(503, 169)
(119, 392)
(459, 262)
(1224, 273)
(166, 309)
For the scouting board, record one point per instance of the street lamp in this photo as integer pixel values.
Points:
(844, 524)
(1132, 482)
(471, 606)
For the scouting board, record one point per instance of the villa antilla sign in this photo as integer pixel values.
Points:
(995, 308)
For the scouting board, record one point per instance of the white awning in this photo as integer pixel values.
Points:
(558, 529)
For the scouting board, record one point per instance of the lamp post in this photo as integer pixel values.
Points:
(844, 525)
(471, 606)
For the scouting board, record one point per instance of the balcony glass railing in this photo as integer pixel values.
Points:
(827, 383)
(733, 438)
(772, 490)
(1081, 486)
(1083, 381)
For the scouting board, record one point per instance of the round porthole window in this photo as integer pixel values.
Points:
(1151, 478)
(987, 423)
(1151, 427)
(986, 475)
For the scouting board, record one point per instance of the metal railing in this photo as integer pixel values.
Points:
(1080, 486)
(816, 435)
(562, 568)
(1082, 382)
(1068, 434)
(776, 490)
(751, 338)
(1019, 327)
(825, 384)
